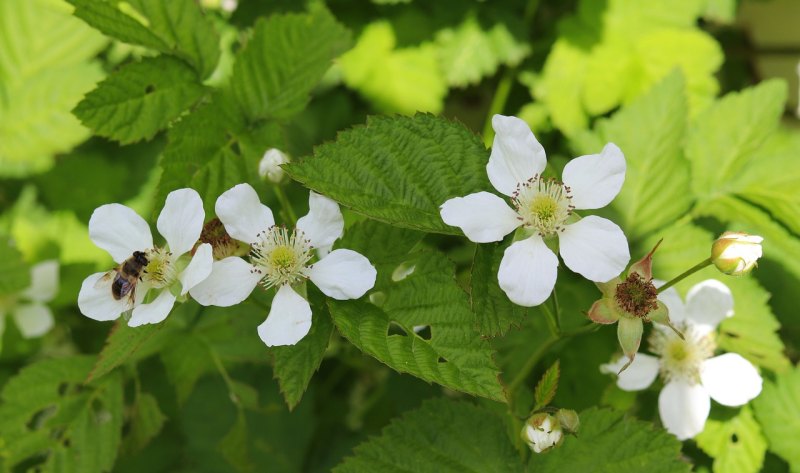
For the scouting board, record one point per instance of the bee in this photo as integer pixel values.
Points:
(125, 277)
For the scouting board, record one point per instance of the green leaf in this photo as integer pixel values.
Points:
(146, 422)
(177, 27)
(609, 441)
(546, 387)
(294, 365)
(45, 69)
(15, 275)
(736, 443)
(560, 86)
(778, 412)
(649, 132)
(470, 52)
(284, 60)
(439, 437)
(398, 170)
(121, 344)
(724, 138)
(186, 358)
(455, 356)
(140, 99)
(495, 313)
(395, 80)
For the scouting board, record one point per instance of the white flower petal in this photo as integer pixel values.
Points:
(120, 231)
(639, 375)
(44, 282)
(483, 217)
(324, 222)
(243, 214)
(289, 319)
(95, 300)
(595, 248)
(181, 220)
(230, 282)
(674, 303)
(730, 379)
(33, 320)
(684, 408)
(153, 312)
(343, 274)
(198, 269)
(528, 271)
(595, 179)
(708, 303)
(516, 155)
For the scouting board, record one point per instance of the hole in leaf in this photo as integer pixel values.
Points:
(442, 360)
(423, 331)
(149, 89)
(62, 389)
(403, 270)
(395, 329)
(734, 438)
(377, 298)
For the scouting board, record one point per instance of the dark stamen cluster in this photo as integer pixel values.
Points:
(221, 243)
(636, 296)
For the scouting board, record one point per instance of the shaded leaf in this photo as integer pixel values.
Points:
(736, 443)
(122, 343)
(778, 412)
(494, 312)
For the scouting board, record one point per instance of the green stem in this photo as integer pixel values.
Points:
(685, 274)
(225, 377)
(285, 205)
(498, 104)
(557, 309)
(530, 363)
(552, 323)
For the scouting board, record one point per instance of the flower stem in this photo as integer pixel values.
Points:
(557, 309)
(498, 104)
(552, 322)
(685, 274)
(530, 363)
(285, 204)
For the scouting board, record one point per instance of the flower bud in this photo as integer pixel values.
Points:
(269, 168)
(569, 420)
(736, 253)
(542, 432)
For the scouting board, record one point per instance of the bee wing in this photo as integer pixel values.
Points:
(106, 279)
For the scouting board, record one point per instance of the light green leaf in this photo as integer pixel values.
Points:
(560, 86)
(284, 60)
(649, 132)
(177, 27)
(470, 52)
(547, 386)
(186, 358)
(405, 80)
(398, 169)
(608, 441)
(294, 365)
(736, 443)
(455, 356)
(442, 436)
(495, 313)
(778, 412)
(724, 138)
(15, 275)
(140, 99)
(122, 343)
(146, 422)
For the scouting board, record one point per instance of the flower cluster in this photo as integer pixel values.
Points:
(28, 308)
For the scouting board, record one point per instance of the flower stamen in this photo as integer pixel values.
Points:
(636, 296)
(543, 204)
(160, 270)
(282, 257)
(681, 358)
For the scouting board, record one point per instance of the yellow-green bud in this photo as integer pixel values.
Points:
(269, 168)
(569, 420)
(542, 432)
(736, 253)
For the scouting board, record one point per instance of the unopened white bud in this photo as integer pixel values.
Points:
(270, 166)
(542, 432)
(736, 253)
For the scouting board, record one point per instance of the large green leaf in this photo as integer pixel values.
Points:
(495, 313)
(140, 99)
(146, 422)
(177, 27)
(186, 359)
(778, 412)
(608, 441)
(439, 437)
(649, 132)
(455, 356)
(14, 273)
(398, 169)
(736, 444)
(122, 343)
(284, 60)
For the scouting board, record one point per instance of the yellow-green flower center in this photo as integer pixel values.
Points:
(681, 358)
(160, 270)
(281, 256)
(543, 205)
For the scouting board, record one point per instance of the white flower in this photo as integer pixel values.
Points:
(28, 308)
(170, 271)
(269, 167)
(736, 253)
(542, 432)
(594, 247)
(282, 258)
(692, 374)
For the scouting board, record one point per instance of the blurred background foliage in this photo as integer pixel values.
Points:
(198, 394)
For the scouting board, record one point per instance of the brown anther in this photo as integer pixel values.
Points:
(636, 296)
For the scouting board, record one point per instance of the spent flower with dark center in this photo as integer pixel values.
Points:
(221, 243)
(637, 295)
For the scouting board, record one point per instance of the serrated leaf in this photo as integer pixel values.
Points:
(15, 275)
(494, 312)
(649, 132)
(146, 422)
(547, 386)
(122, 342)
(439, 437)
(609, 441)
(186, 358)
(177, 27)
(778, 412)
(284, 60)
(294, 365)
(455, 356)
(724, 138)
(398, 170)
(736, 443)
(140, 99)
